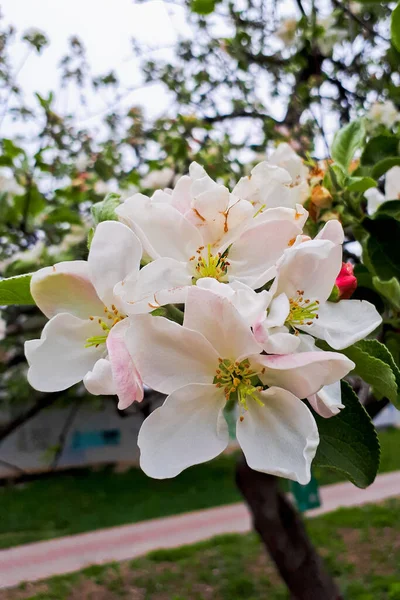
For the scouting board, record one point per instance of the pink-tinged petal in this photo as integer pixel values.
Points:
(115, 253)
(162, 229)
(59, 359)
(66, 288)
(162, 281)
(169, 356)
(344, 323)
(311, 267)
(187, 430)
(332, 231)
(304, 373)
(328, 401)
(297, 215)
(281, 342)
(278, 311)
(220, 323)
(281, 437)
(128, 383)
(254, 255)
(99, 381)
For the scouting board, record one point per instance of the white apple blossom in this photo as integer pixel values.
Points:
(392, 191)
(84, 338)
(280, 181)
(209, 232)
(210, 360)
(383, 113)
(306, 276)
(158, 179)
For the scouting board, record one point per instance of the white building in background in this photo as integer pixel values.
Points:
(95, 436)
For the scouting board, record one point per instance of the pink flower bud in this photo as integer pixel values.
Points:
(346, 282)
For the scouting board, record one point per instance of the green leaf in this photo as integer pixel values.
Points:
(384, 165)
(389, 289)
(395, 28)
(383, 246)
(380, 148)
(16, 290)
(346, 141)
(382, 353)
(105, 210)
(348, 441)
(360, 184)
(390, 208)
(203, 7)
(375, 365)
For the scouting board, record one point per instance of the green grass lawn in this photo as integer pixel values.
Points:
(360, 547)
(88, 500)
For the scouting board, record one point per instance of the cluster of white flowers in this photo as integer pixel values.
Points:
(255, 292)
(383, 113)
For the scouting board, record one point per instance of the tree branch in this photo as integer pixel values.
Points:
(283, 533)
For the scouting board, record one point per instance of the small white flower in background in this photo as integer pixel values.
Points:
(9, 185)
(3, 328)
(102, 188)
(36, 37)
(286, 31)
(281, 181)
(84, 338)
(158, 179)
(212, 359)
(209, 232)
(82, 162)
(29, 256)
(332, 34)
(384, 113)
(392, 191)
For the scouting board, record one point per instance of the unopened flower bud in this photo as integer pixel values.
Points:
(345, 285)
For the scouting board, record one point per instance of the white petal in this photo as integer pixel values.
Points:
(187, 430)
(278, 311)
(280, 342)
(284, 156)
(332, 231)
(128, 383)
(279, 438)
(100, 381)
(115, 253)
(253, 256)
(161, 228)
(311, 267)
(181, 195)
(160, 282)
(66, 288)
(344, 323)
(59, 359)
(392, 184)
(374, 200)
(169, 356)
(297, 215)
(328, 401)
(220, 323)
(304, 373)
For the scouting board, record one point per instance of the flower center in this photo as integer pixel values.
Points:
(210, 265)
(238, 378)
(302, 310)
(111, 318)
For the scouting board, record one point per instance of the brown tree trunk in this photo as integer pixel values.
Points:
(283, 534)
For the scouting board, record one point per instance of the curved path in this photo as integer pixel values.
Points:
(40, 560)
